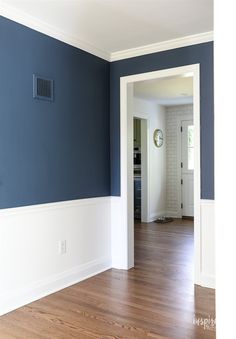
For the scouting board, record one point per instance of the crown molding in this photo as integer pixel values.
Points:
(30, 21)
(25, 19)
(162, 46)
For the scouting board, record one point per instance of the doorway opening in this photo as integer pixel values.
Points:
(188, 155)
(164, 154)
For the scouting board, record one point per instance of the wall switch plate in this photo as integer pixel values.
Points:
(62, 246)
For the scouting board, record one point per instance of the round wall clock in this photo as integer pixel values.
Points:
(158, 137)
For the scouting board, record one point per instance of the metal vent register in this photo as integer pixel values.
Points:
(42, 88)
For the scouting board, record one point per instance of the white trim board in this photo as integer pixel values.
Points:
(162, 46)
(53, 206)
(52, 284)
(27, 20)
(30, 21)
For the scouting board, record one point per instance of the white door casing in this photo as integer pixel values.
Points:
(126, 150)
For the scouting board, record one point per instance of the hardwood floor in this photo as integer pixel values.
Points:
(156, 299)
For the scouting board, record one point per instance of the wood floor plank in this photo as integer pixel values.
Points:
(155, 299)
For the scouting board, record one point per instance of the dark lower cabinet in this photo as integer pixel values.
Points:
(137, 198)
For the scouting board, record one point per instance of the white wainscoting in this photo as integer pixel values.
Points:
(31, 266)
(30, 263)
(207, 273)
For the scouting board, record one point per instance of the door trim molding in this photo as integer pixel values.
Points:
(126, 221)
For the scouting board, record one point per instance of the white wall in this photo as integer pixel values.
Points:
(157, 156)
(30, 264)
(172, 181)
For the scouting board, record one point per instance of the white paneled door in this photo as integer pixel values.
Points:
(187, 167)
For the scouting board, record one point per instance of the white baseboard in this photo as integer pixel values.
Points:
(173, 214)
(31, 266)
(52, 284)
(154, 216)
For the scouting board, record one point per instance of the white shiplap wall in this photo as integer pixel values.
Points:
(172, 116)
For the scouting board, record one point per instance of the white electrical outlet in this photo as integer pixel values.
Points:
(62, 246)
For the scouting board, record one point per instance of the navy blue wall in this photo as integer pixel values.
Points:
(51, 151)
(60, 151)
(202, 54)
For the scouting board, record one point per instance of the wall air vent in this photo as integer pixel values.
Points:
(42, 88)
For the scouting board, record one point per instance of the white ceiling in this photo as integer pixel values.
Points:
(117, 25)
(168, 91)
